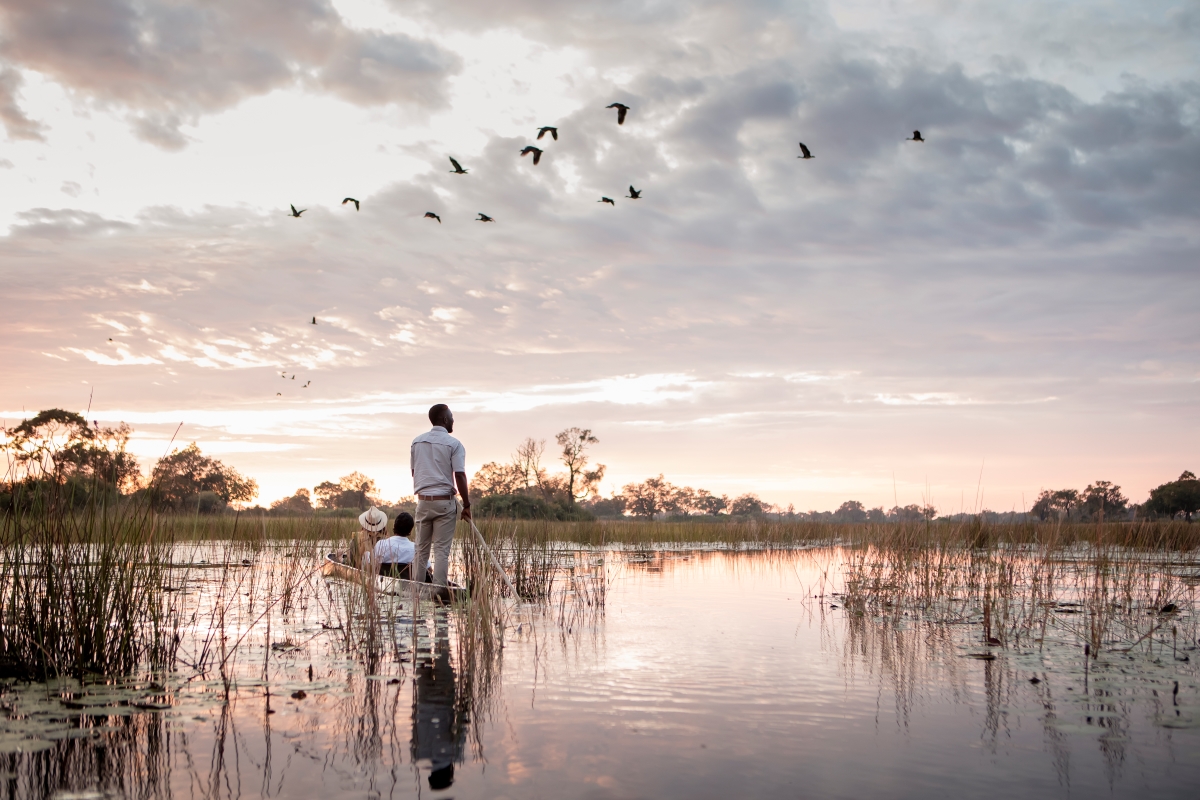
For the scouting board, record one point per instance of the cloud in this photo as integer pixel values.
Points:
(171, 63)
(18, 125)
(997, 289)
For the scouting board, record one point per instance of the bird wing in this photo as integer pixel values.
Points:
(804, 150)
(554, 133)
(537, 156)
(621, 115)
(293, 209)
(541, 133)
(457, 166)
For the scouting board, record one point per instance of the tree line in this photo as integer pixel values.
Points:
(57, 454)
(86, 463)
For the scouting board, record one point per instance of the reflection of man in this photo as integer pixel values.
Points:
(438, 463)
(438, 734)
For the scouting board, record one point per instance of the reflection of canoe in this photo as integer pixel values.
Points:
(335, 568)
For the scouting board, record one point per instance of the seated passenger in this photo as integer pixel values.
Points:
(395, 554)
(372, 523)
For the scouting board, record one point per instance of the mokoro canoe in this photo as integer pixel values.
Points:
(334, 567)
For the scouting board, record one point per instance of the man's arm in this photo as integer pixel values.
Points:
(460, 479)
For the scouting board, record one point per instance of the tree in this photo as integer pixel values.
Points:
(607, 506)
(1101, 498)
(707, 503)
(351, 491)
(495, 479)
(747, 504)
(1059, 503)
(179, 478)
(911, 513)
(648, 498)
(581, 482)
(1175, 498)
(851, 511)
(527, 461)
(59, 445)
(299, 503)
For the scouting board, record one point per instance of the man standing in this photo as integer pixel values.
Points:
(439, 466)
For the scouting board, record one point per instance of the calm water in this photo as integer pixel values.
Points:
(709, 676)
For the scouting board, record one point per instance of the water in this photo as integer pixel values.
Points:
(709, 675)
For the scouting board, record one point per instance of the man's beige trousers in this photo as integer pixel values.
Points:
(435, 528)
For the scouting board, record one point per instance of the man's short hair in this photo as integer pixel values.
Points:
(404, 524)
(437, 414)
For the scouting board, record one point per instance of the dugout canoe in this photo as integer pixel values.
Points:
(334, 567)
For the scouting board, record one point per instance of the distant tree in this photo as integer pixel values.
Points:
(877, 515)
(299, 503)
(911, 513)
(1058, 503)
(851, 511)
(607, 506)
(680, 501)
(581, 482)
(351, 491)
(527, 461)
(707, 503)
(1179, 497)
(648, 498)
(497, 479)
(179, 478)
(1103, 498)
(59, 445)
(746, 505)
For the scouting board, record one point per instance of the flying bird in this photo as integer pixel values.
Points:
(314, 322)
(279, 394)
(351, 200)
(916, 137)
(458, 170)
(552, 131)
(296, 213)
(484, 218)
(537, 153)
(634, 194)
(608, 200)
(804, 152)
(293, 377)
(431, 215)
(622, 109)
(110, 339)
(305, 386)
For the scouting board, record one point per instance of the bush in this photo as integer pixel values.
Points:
(526, 506)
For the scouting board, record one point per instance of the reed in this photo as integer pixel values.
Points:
(84, 592)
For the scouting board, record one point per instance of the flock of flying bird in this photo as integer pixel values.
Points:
(634, 194)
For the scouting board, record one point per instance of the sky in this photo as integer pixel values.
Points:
(1009, 306)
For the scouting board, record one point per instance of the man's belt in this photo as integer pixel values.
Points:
(435, 497)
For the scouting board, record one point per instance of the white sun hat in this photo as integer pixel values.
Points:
(373, 520)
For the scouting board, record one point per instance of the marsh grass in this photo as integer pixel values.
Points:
(84, 592)
(1111, 587)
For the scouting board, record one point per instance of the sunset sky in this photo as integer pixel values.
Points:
(1011, 305)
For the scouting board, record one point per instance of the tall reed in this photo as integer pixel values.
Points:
(85, 592)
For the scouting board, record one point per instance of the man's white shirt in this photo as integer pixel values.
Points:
(434, 458)
(395, 550)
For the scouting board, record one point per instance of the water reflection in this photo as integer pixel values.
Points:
(439, 720)
(717, 674)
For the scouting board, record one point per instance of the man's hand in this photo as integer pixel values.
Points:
(460, 478)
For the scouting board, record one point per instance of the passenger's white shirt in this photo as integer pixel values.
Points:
(395, 550)
(434, 458)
